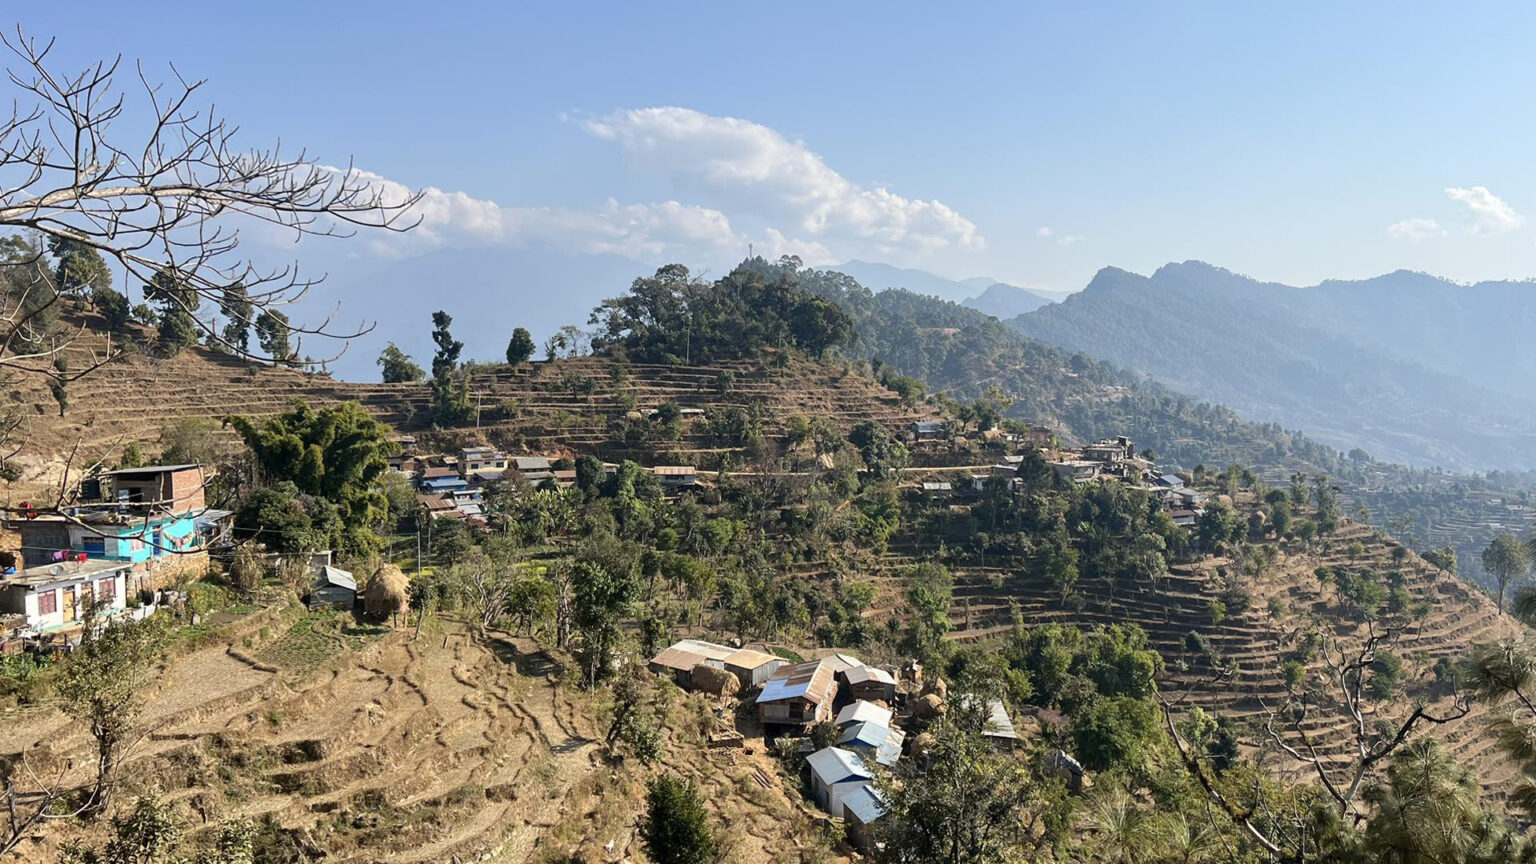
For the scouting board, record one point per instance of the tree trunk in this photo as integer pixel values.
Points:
(106, 764)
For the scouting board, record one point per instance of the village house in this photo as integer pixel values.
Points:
(753, 668)
(155, 518)
(677, 662)
(835, 775)
(874, 739)
(870, 684)
(1038, 436)
(928, 430)
(864, 712)
(55, 598)
(333, 588)
(999, 729)
(750, 667)
(862, 807)
(474, 461)
(532, 470)
(674, 478)
(1077, 470)
(439, 506)
(440, 480)
(937, 489)
(799, 696)
(1110, 450)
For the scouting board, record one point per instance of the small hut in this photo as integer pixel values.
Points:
(333, 588)
(387, 593)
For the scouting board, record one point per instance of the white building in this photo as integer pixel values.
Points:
(56, 597)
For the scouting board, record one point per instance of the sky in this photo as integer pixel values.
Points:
(1030, 142)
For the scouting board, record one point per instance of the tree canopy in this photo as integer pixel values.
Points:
(672, 317)
(337, 453)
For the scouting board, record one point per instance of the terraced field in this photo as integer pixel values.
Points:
(1254, 642)
(438, 749)
(567, 406)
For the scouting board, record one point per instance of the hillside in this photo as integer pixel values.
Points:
(1001, 300)
(352, 743)
(1341, 361)
(566, 406)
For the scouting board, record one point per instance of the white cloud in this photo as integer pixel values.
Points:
(754, 187)
(1415, 230)
(1044, 232)
(643, 231)
(756, 170)
(1490, 213)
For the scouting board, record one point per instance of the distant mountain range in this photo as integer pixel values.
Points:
(983, 293)
(1409, 367)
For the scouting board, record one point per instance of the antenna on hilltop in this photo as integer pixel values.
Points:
(749, 250)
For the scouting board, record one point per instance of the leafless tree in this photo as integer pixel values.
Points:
(159, 187)
(32, 800)
(1341, 769)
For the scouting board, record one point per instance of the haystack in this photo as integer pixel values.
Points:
(928, 707)
(387, 593)
(715, 682)
(937, 687)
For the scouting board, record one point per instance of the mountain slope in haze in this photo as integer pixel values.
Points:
(1001, 300)
(882, 276)
(1302, 357)
(1482, 332)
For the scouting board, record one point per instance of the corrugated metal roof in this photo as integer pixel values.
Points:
(843, 662)
(813, 681)
(674, 470)
(861, 712)
(530, 463)
(338, 577)
(148, 469)
(747, 658)
(885, 741)
(835, 765)
(999, 724)
(689, 653)
(863, 674)
(865, 804)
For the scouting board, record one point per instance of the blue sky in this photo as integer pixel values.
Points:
(1031, 142)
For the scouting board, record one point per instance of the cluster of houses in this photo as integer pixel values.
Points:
(126, 535)
(863, 701)
(452, 486)
(1110, 459)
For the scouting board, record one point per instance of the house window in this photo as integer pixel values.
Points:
(106, 589)
(48, 603)
(95, 547)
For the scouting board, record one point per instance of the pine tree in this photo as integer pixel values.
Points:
(676, 829)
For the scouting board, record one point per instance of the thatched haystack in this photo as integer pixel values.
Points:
(928, 707)
(922, 746)
(936, 687)
(387, 593)
(715, 682)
